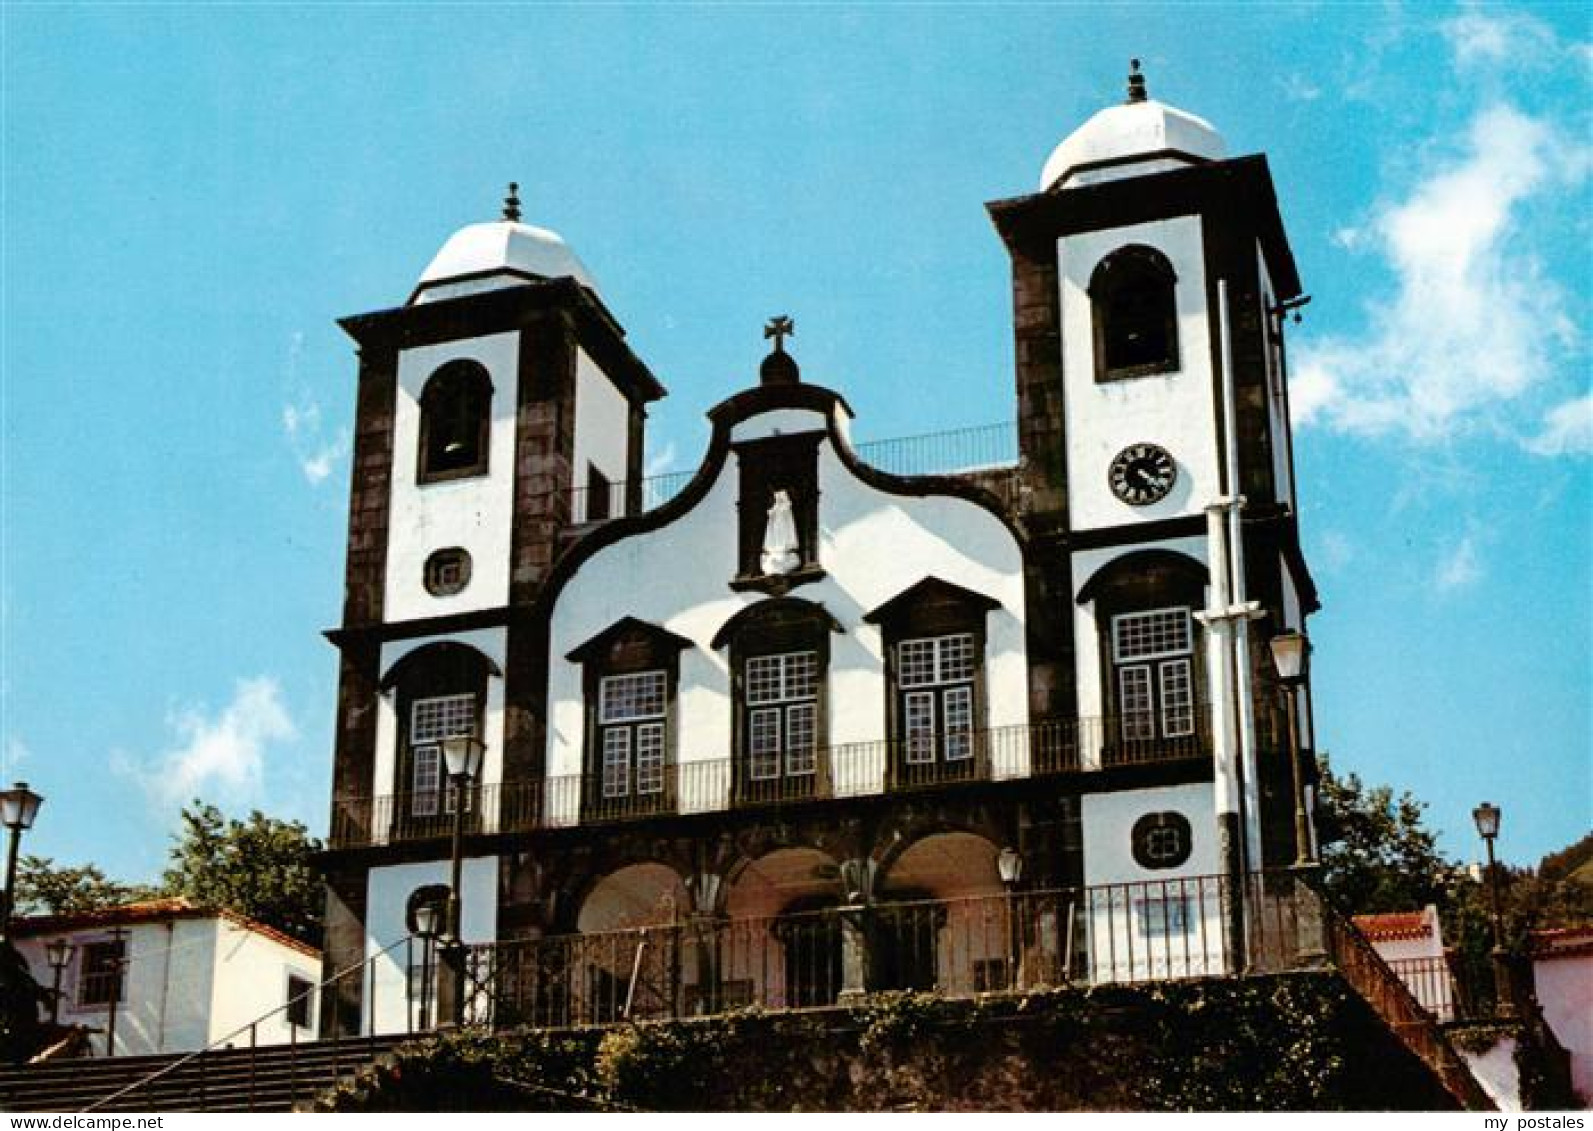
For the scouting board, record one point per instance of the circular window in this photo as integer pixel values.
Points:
(447, 572)
(1162, 840)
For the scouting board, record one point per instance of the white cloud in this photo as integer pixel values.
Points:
(1461, 568)
(1473, 322)
(13, 756)
(1495, 37)
(317, 453)
(219, 756)
(1567, 429)
(1298, 88)
(661, 462)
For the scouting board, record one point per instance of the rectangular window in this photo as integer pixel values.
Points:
(1134, 700)
(631, 733)
(300, 1000)
(782, 726)
(430, 721)
(1178, 703)
(598, 491)
(1151, 635)
(617, 762)
(938, 712)
(100, 981)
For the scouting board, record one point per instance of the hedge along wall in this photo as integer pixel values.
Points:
(1295, 1042)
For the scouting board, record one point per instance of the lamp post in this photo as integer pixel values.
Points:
(1486, 816)
(426, 924)
(59, 954)
(462, 753)
(1009, 864)
(19, 805)
(1291, 653)
(119, 965)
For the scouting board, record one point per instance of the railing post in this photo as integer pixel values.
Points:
(1311, 940)
(252, 1055)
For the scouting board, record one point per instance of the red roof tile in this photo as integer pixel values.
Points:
(1563, 942)
(148, 911)
(1394, 926)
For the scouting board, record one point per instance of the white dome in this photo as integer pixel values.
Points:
(498, 254)
(1148, 128)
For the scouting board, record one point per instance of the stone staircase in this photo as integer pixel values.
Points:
(268, 1078)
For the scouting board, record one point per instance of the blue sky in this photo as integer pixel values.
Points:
(192, 195)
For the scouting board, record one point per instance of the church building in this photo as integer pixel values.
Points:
(763, 713)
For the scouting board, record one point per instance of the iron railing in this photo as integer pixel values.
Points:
(845, 770)
(1433, 984)
(987, 454)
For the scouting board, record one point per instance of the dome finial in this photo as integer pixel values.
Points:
(511, 203)
(779, 368)
(1136, 83)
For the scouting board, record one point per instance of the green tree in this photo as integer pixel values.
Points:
(1377, 855)
(45, 887)
(261, 867)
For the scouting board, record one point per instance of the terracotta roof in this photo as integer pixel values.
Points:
(149, 911)
(1394, 926)
(1563, 942)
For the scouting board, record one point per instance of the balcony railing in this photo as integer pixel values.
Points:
(848, 770)
(987, 454)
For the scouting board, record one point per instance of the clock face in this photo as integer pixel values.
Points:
(1142, 474)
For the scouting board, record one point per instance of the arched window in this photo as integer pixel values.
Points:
(441, 693)
(1132, 294)
(455, 418)
(1151, 655)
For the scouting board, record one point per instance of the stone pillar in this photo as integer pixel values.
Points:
(855, 953)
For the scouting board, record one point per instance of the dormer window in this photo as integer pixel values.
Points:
(455, 420)
(1133, 297)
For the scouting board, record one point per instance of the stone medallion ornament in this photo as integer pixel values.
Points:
(1142, 474)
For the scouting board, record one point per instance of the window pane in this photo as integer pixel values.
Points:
(763, 744)
(445, 716)
(801, 675)
(764, 680)
(919, 726)
(956, 658)
(916, 659)
(650, 758)
(1178, 709)
(958, 716)
(777, 679)
(1139, 636)
(427, 781)
(800, 757)
(616, 762)
(101, 979)
(637, 696)
(1134, 697)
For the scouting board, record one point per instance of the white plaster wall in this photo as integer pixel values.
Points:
(872, 544)
(1565, 991)
(1092, 696)
(1119, 949)
(490, 642)
(1495, 1070)
(474, 513)
(387, 894)
(1174, 409)
(602, 429)
(251, 980)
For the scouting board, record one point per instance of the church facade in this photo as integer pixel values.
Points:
(802, 683)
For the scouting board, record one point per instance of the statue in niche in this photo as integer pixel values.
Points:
(782, 553)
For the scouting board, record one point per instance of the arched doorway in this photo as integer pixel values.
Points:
(783, 944)
(625, 963)
(943, 920)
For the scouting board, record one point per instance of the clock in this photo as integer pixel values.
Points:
(1142, 474)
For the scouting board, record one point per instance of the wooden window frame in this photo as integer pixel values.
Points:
(1129, 266)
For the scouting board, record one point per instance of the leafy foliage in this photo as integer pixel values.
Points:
(1377, 856)
(261, 867)
(45, 887)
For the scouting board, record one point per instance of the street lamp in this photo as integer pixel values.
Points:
(427, 920)
(19, 805)
(1486, 817)
(462, 753)
(59, 955)
(1291, 653)
(1009, 864)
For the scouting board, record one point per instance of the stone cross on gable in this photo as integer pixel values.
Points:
(779, 328)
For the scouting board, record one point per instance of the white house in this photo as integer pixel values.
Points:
(173, 977)
(1562, 976)
(1412, 943)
